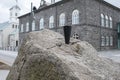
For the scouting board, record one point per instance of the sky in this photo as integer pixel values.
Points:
(25, 6)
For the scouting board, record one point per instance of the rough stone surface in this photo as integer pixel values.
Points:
(44, 56)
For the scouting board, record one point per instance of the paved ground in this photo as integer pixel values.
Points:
(112, 54)
(8, 57)
(3, 74)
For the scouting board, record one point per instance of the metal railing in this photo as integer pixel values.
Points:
(9, 49)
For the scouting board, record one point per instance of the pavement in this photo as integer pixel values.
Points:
(3, 74)
(112, 54)
(8, 57)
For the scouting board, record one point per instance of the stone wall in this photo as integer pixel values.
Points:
(90, 11)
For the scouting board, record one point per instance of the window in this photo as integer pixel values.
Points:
(118, 27)
(62, 19)
(111, 41)
(16, 43)
(75, 17)
(111, 22)
(107, 21)
(15, 14)
(102, 41)
(75, 36)
(21, 28)
(27, 27)
(13, 26)
(16, 26)
(52, 1)
(33, 26)
(51, 22)
(102, 20)
(41, 23)
(10, 13)
(107, 41)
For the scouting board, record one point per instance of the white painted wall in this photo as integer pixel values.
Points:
(0, 39)
(6, 32)
(13, 17)
(13, 39)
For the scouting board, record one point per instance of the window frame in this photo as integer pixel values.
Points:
(16, 26)
(33, 25)
(75, 17)
(51, 22)
(41, 23)
(62, 19)
(16, 14)
(106, 21)
(13, 26)
(27, 27)
(103, 41)
(111, 40)
(21, 28)
(102, 20)
(76, 36)
(107, 41)
(111, 22)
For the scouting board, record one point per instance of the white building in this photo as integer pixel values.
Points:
(13, 39)
(9, 30)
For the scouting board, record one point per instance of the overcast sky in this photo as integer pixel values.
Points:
(5, 5)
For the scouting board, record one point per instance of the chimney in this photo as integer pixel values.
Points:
(52, 1)
(43, 4)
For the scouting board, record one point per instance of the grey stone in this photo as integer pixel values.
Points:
(43, 55)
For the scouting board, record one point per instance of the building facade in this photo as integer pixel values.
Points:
(9, 33)
(94, 21)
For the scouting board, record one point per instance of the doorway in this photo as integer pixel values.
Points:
(16, 43)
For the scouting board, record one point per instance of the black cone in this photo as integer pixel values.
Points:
(67, 34)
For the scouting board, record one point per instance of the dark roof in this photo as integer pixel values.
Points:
(63, 1)
(16, 6)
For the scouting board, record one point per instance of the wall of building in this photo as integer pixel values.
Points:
(5, 37)
(115, 14)
(12, 40)
(93, 18)
(89, 28)
(0, 39)
(13, 16)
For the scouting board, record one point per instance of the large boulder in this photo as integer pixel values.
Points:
(43, 55)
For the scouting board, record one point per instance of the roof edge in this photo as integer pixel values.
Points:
(63, 1)
(46, 7)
